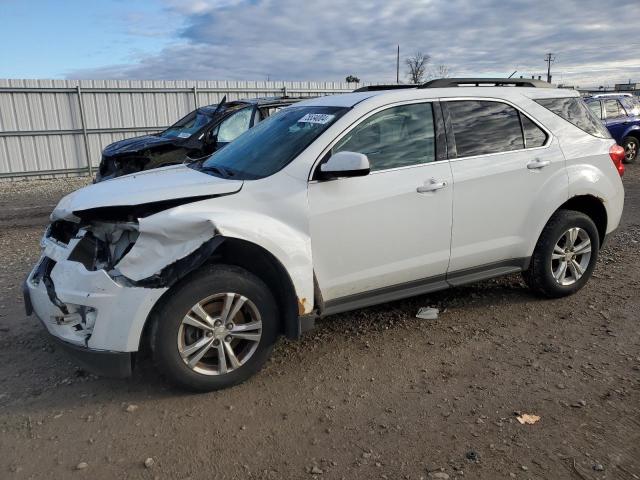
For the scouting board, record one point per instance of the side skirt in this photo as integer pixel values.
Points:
(420, 287)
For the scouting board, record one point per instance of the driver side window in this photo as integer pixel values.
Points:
(396, 137)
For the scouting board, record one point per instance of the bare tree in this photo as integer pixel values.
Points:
(417, 67)
(443, 71)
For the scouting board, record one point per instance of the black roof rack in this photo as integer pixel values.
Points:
(377, 88)
(477, 82)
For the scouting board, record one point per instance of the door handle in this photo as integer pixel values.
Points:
(537, 164)
(431, 186)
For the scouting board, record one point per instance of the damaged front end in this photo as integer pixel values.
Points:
(80, 293)
(102, 245)
(111, 252)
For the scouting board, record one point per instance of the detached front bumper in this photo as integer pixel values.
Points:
(97, 320)
(100, 362)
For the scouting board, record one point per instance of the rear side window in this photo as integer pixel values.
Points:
(574, 111)
(534, 136)
(613, 109)
(631, 105)
(595, 108)
(484, 127)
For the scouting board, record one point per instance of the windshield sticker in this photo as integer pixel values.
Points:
(320, 118)
(184, 135)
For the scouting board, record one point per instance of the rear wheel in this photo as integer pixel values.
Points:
(565, 255)
(215, 330)
(631, 146)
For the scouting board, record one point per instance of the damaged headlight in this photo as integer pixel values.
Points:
(104, 244)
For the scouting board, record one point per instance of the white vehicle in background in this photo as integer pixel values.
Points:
(332, 204)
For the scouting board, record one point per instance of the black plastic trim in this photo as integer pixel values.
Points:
(26, 296)
(386, 294)
(440, 132)
(484, 272)
(100, 362)
(427, 285)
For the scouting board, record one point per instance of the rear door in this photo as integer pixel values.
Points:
(615, 118)
(503, 162)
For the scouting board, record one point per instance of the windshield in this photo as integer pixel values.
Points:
(187, 126)
(272, 144)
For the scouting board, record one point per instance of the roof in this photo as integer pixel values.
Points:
(398, 95)
(260, 102)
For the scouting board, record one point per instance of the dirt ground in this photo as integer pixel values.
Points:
(375, 393)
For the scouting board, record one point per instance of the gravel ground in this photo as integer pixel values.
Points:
(374, 393)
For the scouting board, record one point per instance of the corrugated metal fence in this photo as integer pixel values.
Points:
(59, 127)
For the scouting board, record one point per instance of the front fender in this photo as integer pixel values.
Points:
(171, 235)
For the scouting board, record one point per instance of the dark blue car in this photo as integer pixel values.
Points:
(620, 113)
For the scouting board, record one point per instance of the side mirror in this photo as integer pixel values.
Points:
(345, 164)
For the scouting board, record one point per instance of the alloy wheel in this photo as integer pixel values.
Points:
(630, 151)
(219, 334)
(571, 256)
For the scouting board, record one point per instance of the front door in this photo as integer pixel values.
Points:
(391, 228)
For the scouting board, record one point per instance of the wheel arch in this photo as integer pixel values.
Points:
(256, 260)
(269, 269)
(591, 206)
(633, 131)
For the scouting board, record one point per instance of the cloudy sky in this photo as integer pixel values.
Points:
(318, 40)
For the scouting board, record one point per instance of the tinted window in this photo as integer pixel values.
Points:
(235, 125)
(272, 144)
(395, 137)
(482, 127)
(187, 126)
(631, 105)
(613, 109)
(534, 136)
(595, 108)
(573, 110)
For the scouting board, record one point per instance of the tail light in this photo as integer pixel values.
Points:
(616, 152)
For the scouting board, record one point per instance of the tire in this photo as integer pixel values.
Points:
(174, 343)
(631, 147)
(545, 274)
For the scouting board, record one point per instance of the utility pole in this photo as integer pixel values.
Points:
(398, 66)
(549, 58)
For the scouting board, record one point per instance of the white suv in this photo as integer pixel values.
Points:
(332, 204)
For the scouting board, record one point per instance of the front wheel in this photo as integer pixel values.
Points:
(565, 255)
(216, 329)
(631, 146)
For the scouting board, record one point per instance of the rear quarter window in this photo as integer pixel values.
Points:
(574, 111)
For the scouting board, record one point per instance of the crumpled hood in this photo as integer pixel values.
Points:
(161, 184)
(135, 144)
